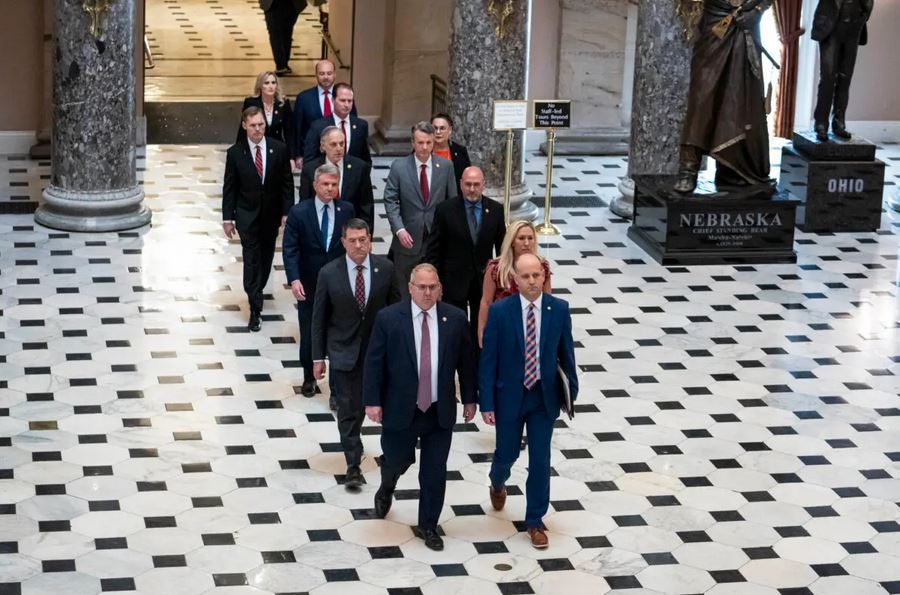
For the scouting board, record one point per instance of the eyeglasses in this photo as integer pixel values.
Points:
(426, 288)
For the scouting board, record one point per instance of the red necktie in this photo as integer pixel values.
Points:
(344, 132)
(258, 161)
(326, 111)
(360, 288)
(530, 349)
(424, 396)
(423, 184)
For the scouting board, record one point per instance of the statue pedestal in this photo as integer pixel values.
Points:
(743, 226)
(839, 184)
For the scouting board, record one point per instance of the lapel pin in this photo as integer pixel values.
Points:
(338, 209)
(276, 111)
(349, 165)
(487, 210)
(444, 318)
(271, 151)
(375, 269)
(549, 308)
(354, 127)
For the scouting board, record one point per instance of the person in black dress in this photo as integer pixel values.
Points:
(268, 97)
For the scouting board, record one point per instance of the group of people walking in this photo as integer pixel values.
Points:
(460, 309)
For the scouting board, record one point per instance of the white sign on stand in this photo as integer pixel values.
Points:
(510, 114)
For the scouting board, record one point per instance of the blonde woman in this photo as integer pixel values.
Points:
(268, 96)
(499, 283)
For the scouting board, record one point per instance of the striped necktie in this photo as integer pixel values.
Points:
(530, 349)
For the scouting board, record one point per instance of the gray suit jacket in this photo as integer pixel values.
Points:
(404, 203)
(339, 329)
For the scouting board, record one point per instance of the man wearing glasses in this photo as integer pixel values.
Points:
(408, 386)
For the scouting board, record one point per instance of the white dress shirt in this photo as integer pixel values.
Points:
(428, 166)
(367, 276)
(337, 122)
(262, 149)
(319, 206)
(322, 98)
(433, 333)
(537, 326)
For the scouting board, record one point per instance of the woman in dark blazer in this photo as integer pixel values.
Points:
(276, 108)
(446, 148)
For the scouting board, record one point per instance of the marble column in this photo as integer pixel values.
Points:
(485, 66)
(659, 101)
(93, 184)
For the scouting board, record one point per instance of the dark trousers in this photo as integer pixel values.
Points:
(258, 251)
(470, 304)
(837, 57)
(403, 266)
(280, 21)
(509, 436)
(399, 448)
(347, 388)
(304, 316)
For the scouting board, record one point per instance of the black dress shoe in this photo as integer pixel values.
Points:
(254, 325)
(822, 132)
(432, 540)
(332, 404)
(308, 389)
(354, 479)
(383, 500)
(840, 129)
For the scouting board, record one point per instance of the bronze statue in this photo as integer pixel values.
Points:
(840, 27)
(726, 115)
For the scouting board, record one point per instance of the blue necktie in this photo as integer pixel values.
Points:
(325, 227)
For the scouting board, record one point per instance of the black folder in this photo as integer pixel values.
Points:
(565, 393)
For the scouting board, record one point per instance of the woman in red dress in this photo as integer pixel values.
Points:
(498, 275)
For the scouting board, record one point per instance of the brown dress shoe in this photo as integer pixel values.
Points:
(539, 539)
(498, 497)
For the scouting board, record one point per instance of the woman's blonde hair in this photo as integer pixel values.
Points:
(507, 256)
(261, 78)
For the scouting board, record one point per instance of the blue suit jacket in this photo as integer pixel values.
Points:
(502, 366)
(307, 111)
(302, 249)
(391, 376)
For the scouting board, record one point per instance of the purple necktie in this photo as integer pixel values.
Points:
(424, 396)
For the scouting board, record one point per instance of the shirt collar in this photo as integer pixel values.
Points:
(320, 204)
(262, 144)
(339, 164)
(525, 302)
(352, 265)
(469, 204)
(322, 90)
(416, 309)
(419, 164)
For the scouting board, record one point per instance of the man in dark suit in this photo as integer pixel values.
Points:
(415, 186)
(349, 293)
(313, 104)
(310, 242)
(840, 27)
(527, 336)
(467, 231)
(408, 387)
(257, 192)
(447, 148)
(356, 175)
(355, 130)
(281, 16)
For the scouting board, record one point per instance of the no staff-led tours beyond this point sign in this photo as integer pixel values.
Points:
(551, 113)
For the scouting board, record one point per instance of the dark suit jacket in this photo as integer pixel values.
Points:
(339, 329)
(302, 249)
(282, 126)
(307, 111)
(450, 249)
(299, 5)
(460, 157)
(359, 138)
(248, 201)
(391, 377)
(502, 366)
(356, 186)
(826, 17)
(403, 201)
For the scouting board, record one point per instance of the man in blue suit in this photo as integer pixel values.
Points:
(312, 239)
(526, 337)
(415, 348)
(314, 104)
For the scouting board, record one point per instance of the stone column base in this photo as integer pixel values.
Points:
(114, 210)
(520, 205)
(623, 206)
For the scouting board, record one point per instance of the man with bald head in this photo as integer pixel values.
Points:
(314, 104)
(527, 337)
(467, 232)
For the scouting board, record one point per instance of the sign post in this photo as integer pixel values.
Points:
(550, 115)
(509, 115)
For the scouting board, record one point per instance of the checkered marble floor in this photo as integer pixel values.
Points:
(738, 430)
